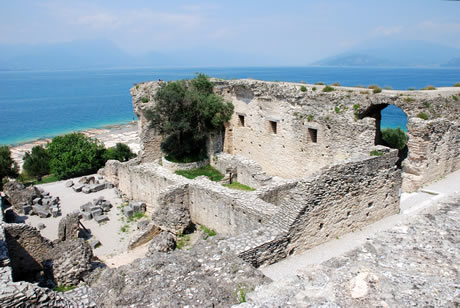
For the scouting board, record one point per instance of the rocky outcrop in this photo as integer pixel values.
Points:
(19, 195)
(163, 242)
(201, 277)
(69, 227)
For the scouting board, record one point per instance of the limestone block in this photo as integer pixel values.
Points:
(86, 189)
(97, 187)
(128, 211)
(77, 187)
(69, 183)
(86, 215)
(101, 218)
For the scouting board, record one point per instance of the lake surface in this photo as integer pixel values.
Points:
(37, 104)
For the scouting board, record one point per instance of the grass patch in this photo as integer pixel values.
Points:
(63, 288)
(182, 240)
(422, 115)
(356, 107)
(136, 216)
(303, 89)
(376, 153)
(455, 97)
(239, 186)
(241, 292)
(310, 118)
(125, 228)
(408, 99)
(210, 172)
(145, 100)
(328, 89)
(209, 232)
(429, 88)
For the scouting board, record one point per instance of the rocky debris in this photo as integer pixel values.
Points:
(174, 218)
(69, 227)
(144, 236)
(20, 196)
(41, 226)
(94, 243)
(163, 242)
(89, 184)
(411, 265)
(96, 210)
(142, 224)
(70, 262)
(203, 276)
(134, 207)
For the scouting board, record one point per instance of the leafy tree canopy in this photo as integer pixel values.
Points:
(74, 155)
(8, 167)
(394, 137)
(186, 111)
(120, 152)
(37, 162)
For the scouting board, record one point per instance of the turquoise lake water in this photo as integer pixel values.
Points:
(47, 103)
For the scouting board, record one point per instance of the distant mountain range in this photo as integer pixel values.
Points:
(105, 54)
(385, 53)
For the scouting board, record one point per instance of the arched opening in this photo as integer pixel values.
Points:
(391, 127)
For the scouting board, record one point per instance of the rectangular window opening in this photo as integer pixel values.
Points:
(313, 135)
(241, 120)
(272, 126)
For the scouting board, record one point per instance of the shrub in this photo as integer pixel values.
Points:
(411, 89)
(319, 83)
(37, 162)
(429, 88)
(457, 84)
(388, 88)
(303, 89)
(422, 115)
(376, 90)
(336, 84)
(185, 112)
(74, 155)
(208, 232)
(356, 107)
(376, 153)
(8, 168)
(313, 89)
(408, 99)
(120, 152)
(328, 89)
(455, 97)
(394, 138)
(310, 118)
(145, 100)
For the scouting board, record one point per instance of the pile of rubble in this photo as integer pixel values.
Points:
(44, 205)
(89, 184)
(133, 208)
(96, 210)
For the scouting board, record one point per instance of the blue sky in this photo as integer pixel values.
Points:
(300, 31)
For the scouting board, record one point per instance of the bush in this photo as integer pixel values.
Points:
(422, 115)
(336, 84)
(455, 97)
(120, 152)
(37, 162)
(319, 83)
(394, 138)
(303, 89)
(145, 100)
(376, 90)
(74, 155)
(457, 84)
(313, 89)
(328, 89)
(429, 88)
(8, 168)
(185, 112)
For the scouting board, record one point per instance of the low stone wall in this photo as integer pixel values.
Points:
(172, 166)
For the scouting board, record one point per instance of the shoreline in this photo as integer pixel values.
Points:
(109, 135)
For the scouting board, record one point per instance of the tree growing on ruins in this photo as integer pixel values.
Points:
(37, 162)
(185, 112)
(74, 155)
(8, 168)
(394, 137)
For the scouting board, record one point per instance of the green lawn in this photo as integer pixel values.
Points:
(239, 186)
(208, 171)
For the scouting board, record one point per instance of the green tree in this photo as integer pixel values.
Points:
(120, 152)
(185, 112)
(74, 155)
(394, 137)
(37, 162)
(8, 168)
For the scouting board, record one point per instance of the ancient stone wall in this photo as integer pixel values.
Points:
(292, 133)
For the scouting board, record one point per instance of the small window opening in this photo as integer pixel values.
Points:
(313, 135)
(273, 128)
(241, 120)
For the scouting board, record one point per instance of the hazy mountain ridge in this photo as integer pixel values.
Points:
(394, 53)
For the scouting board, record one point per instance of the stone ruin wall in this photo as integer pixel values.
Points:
(341, 130)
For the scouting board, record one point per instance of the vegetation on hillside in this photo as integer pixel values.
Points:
(395, 138)
(37, 162)
(186, 111)
(8, 167)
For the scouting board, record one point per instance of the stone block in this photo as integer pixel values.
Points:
(138, 207)
(106, 206)
(27, 209)
(41, 226)
(40, 211)
(128, 211)
(69, 184)
(94, 243)
(86, 215)
(77, 187)
(82, 180)
(86, 189)
(55, 211)
(45, 193)
(86, 207)
(109, 185)
(96, 211)
(37, 201)
(101, 218)
(97, 187)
